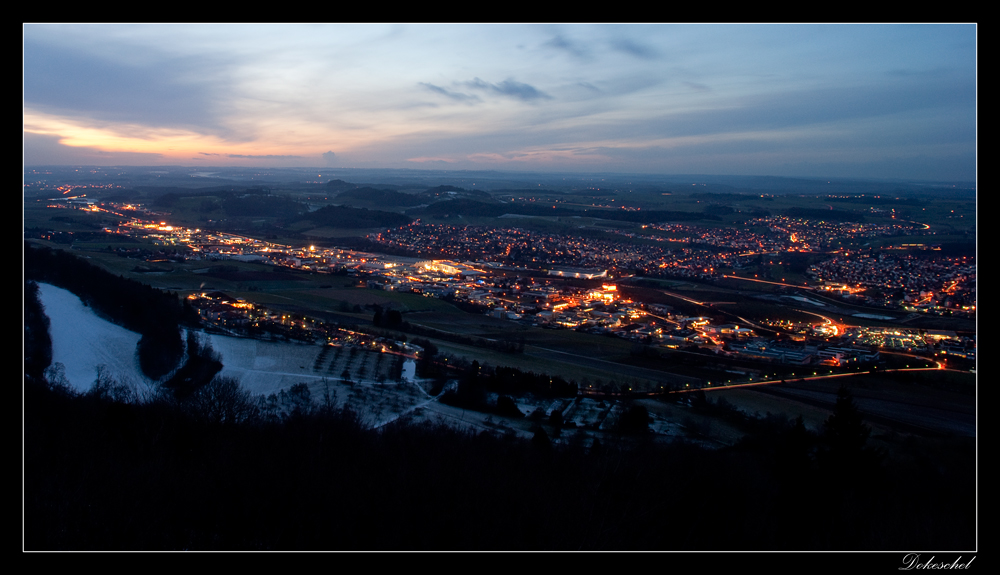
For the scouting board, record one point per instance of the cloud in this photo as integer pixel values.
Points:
(815, 108)
(424, 160)
(457, 96)
(46, 149)
(559, 42)
(161, 90)
(634, 49)
(649, 91)
(697, 87)
(510, 88)
(265, 157)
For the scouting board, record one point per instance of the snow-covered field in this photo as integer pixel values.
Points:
(82, 342)
(265, 367)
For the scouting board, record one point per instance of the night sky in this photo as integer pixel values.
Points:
(867, 101)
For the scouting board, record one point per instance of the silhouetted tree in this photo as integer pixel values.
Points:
(635, 419)
(471, 390)
(37, 342)
(202, 365)
(556, 417)
(159, 350)
(106, 388)
(845, 431)
(223, 401)
(507, 407)
(297, 399)
(540, 440)
(845, 438)
(393, 318)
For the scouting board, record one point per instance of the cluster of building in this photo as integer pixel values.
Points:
(517, 246)
(780, 234)
(212, 245)
(913, 283)
(918, 284)
(239, 317)
(535, 301)
(675, 250)
(795, 353)
(486, 282)
(525, 248)
(936, 342)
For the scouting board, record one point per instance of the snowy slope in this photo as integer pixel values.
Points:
(81, 341)
(265, 367)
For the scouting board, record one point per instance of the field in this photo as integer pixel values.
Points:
(590, 360)
(913, 401)
(380, 387)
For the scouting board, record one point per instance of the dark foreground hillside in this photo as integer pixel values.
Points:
(105, 474)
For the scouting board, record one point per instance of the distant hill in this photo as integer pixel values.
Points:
(492, 210)
(339, 185)
(382, 198)
(347, 217)
(258, 205)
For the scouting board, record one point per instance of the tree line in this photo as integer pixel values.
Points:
(215, 472)
(156, 315)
